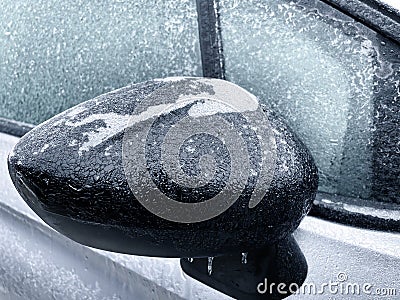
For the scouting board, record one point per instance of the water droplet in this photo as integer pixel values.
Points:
(209, 266)
(244, 258)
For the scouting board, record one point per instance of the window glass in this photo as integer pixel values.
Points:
(55, 54)
(333, 80)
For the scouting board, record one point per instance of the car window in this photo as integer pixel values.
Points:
(335, 81)
(55, 54)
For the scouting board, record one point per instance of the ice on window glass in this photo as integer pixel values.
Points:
(55, 54)
(318, 71)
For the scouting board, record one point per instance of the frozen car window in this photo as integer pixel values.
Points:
(335, 81)
(55, 54)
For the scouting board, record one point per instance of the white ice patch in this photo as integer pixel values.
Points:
(172, 79)
(107, 153)
(190, 149)
(73, 143)
(226, 93)
(327, 201)
(209, 108)
(46, 146)
(227, 97)
(153, 111)
(114, 124)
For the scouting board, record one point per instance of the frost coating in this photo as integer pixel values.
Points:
(77, 50)
(318, 72)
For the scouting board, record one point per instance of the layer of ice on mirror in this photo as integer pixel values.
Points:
(318, 72)
(54, 54)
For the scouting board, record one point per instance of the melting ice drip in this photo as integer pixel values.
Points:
(211, 259)
(244, 257)
(209, 265)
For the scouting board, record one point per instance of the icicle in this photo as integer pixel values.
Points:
(244, 257)
(209, 266)
(190, 259)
